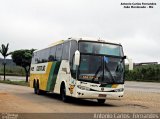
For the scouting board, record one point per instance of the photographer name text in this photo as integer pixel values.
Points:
(138, 5)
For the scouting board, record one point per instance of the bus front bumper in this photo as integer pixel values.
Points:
(98, 95)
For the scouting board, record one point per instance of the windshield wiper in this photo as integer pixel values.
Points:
(119, 64)
(96, 73)
(106, 67)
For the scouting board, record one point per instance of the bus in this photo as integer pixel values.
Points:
(83, 68)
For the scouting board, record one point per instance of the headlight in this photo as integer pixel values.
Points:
(83, 87)
(119, 90)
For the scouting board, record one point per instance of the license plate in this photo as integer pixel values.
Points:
(102, 95)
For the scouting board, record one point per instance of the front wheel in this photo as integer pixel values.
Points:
(101, 101)
(63, 94)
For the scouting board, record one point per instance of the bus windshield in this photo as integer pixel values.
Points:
(101, 63)
(100, 48)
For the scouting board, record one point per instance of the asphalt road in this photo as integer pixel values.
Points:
(14, 78)
(129, 85)
(143, 86)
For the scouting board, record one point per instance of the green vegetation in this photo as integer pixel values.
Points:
(4, 52)
(22, 83)
(149, 73)
(23, 58)
(13, 71)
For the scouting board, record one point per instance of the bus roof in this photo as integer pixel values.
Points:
(93, 39)
(53, 44)
(79, 39)
(56, 43)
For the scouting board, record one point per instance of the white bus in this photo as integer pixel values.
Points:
(79, 67)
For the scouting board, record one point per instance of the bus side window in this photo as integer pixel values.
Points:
(73, 48)
(58, 52)
(33, 58)
(44, 55)
(65, 53)
(37, 59)
(52, 54)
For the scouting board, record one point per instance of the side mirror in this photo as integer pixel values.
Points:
(124, 57)
(76, 58)
(130, 63)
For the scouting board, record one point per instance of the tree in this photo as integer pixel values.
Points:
(23, 58)
(4, 52)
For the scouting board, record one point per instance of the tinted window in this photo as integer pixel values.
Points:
(41, 56)
(74, 47)
(44, 55)
(37, 57)
(65, 53)
(58, 52)
(33, 58)
(52, 54)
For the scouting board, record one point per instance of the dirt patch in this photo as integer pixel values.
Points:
(12, 103)
(3, 93)
(22, 100)
(136, 105)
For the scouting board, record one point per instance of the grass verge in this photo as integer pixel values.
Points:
(22, 83)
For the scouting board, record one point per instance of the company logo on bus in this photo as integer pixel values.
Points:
(102, 89)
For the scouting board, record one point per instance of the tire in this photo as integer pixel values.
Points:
(35, 87)
(63, 94)
(101, 101)
(39, 92)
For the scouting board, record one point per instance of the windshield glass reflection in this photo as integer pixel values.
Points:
(101, 69)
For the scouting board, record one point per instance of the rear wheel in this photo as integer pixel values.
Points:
(35, 87)
(101, 101)
(39, 92)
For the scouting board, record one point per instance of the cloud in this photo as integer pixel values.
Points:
(37, 23)
(141, 49)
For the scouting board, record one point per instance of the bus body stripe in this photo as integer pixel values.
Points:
(52, 76)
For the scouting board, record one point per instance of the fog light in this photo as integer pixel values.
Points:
(119, 90)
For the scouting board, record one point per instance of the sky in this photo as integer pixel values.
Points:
(26, 24)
